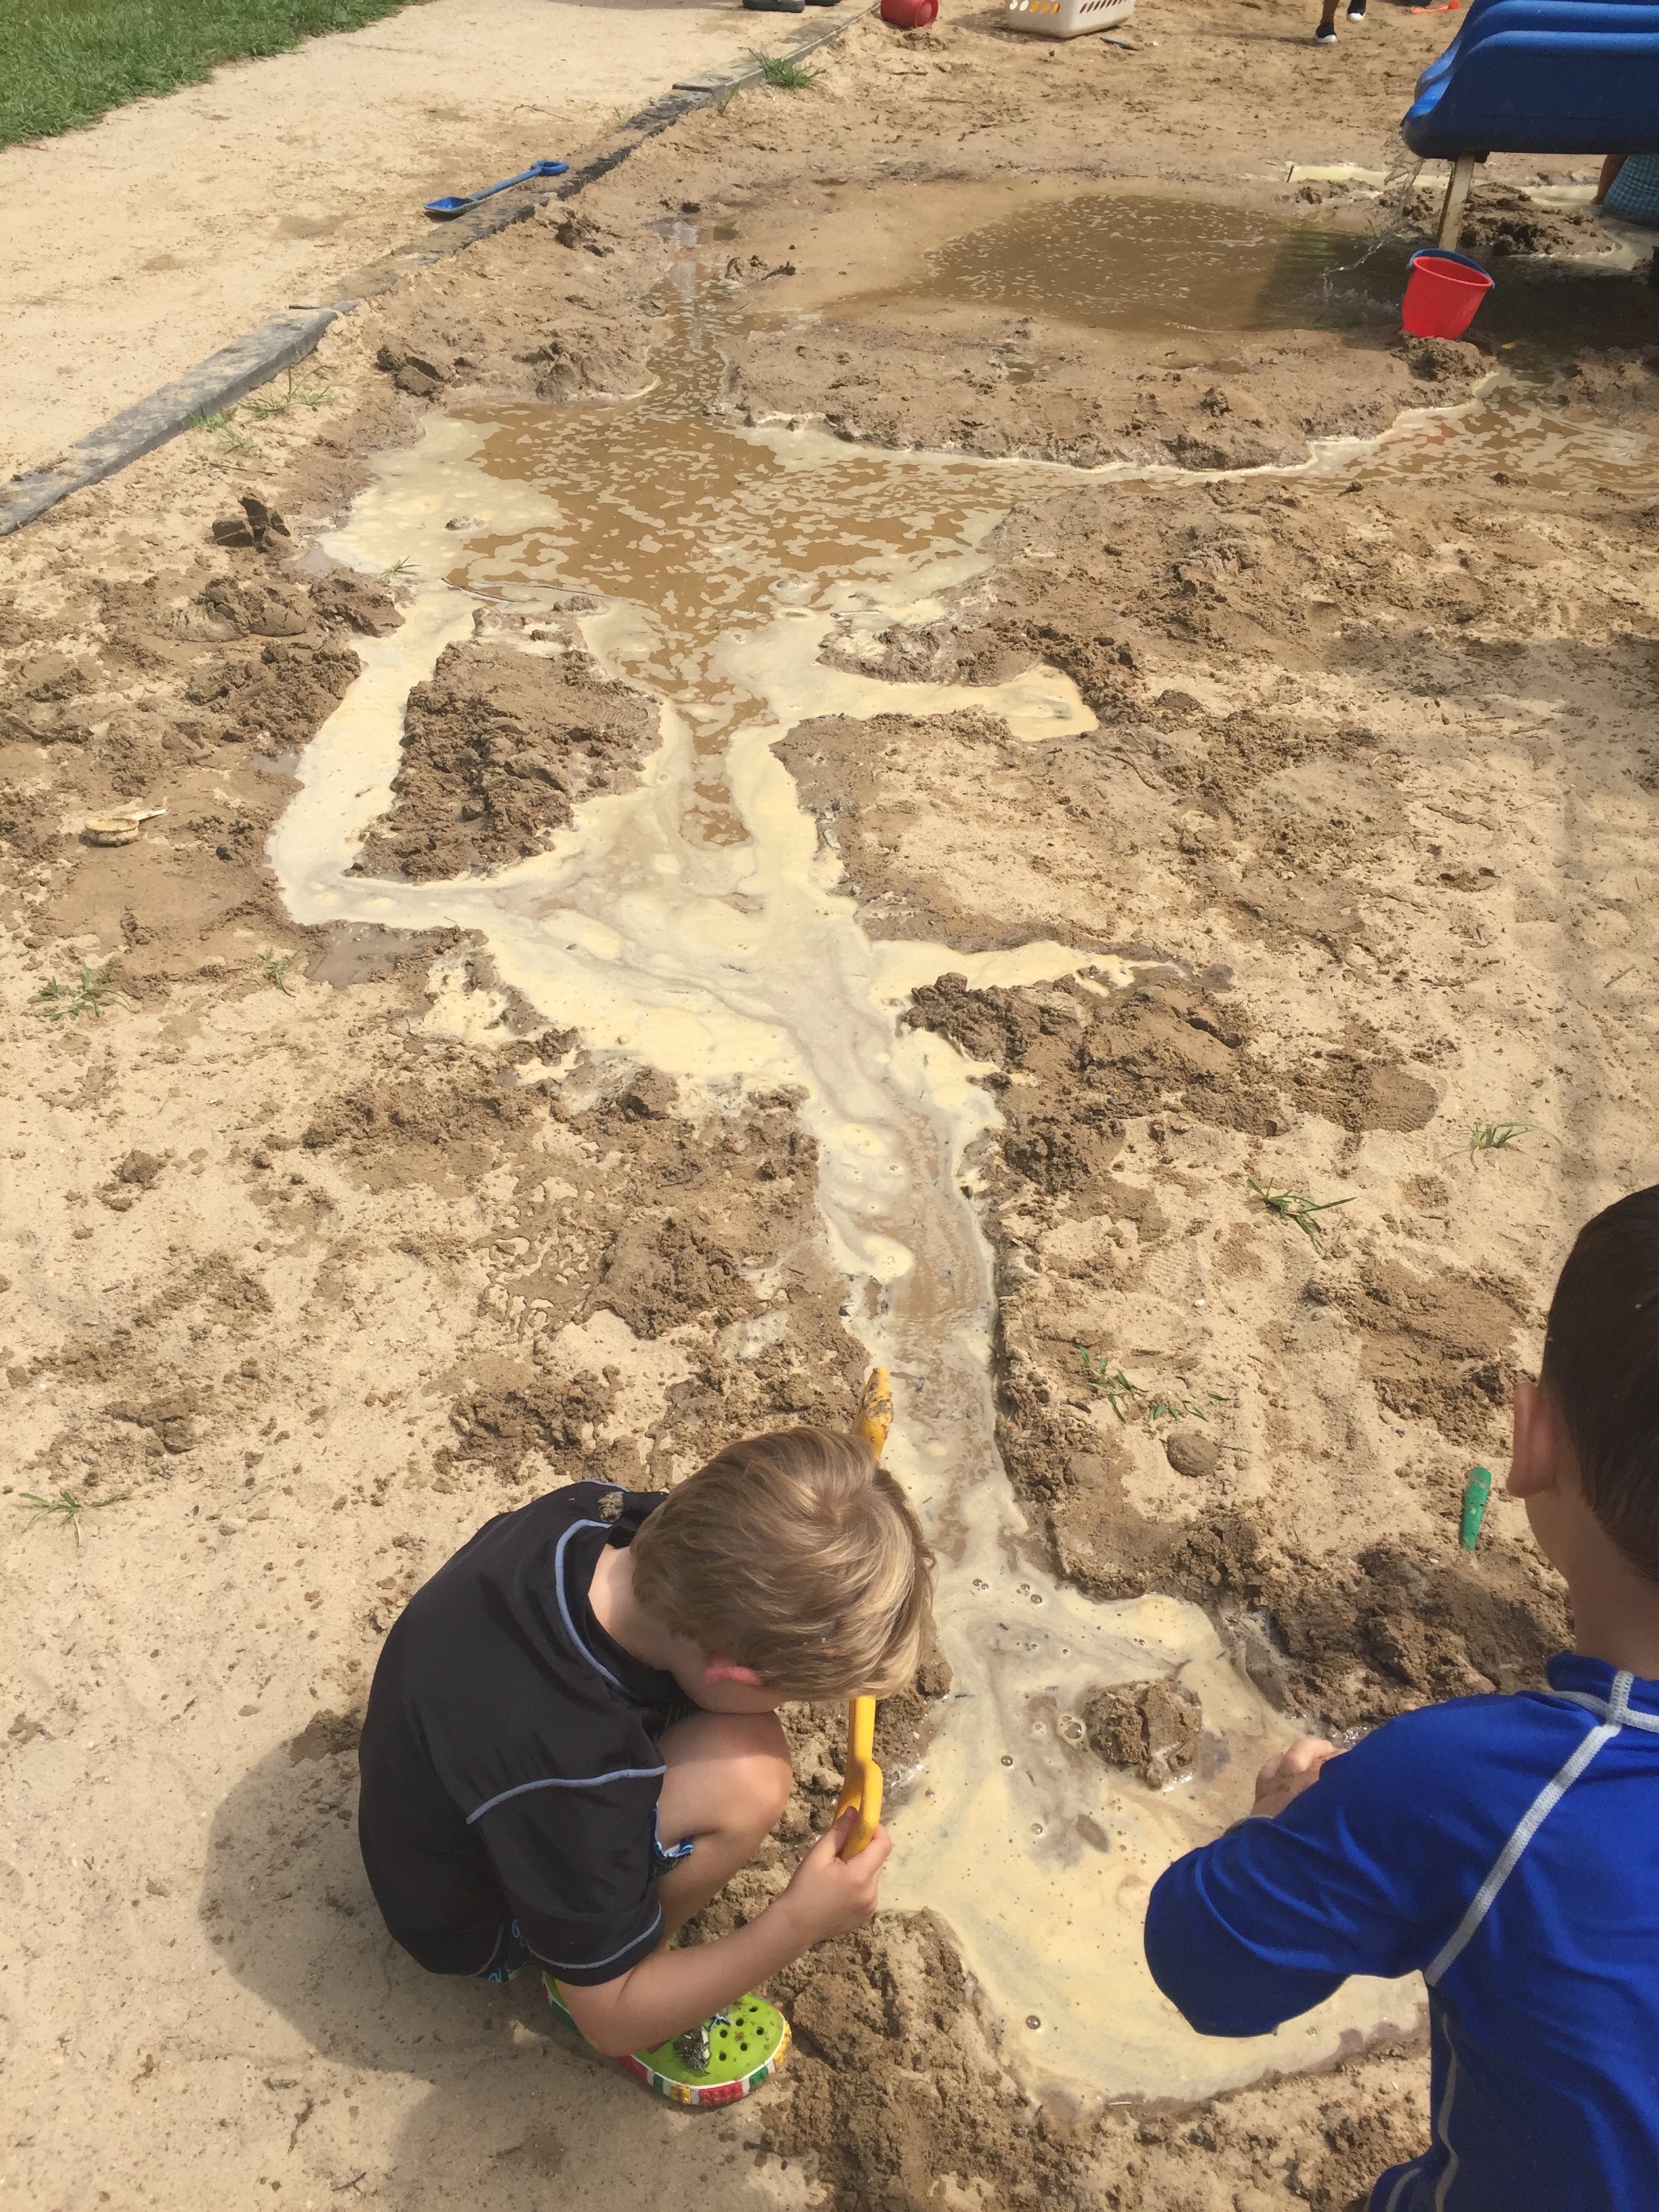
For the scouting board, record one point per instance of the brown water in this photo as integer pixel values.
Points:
(1119, 261)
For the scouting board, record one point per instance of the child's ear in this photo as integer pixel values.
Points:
(728, 1670)
(1541, 1453)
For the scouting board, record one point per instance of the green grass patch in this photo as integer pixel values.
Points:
(63, 63)
(788, 77)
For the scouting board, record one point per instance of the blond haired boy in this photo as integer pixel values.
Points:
(572, 1741)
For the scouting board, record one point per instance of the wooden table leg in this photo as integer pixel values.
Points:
(1457, 193)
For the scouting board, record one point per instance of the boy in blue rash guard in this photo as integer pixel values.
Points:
(1508, 1847)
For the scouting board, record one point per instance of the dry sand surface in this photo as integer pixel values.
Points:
(324, 1241)
(140, 246)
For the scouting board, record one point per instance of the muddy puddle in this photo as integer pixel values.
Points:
(1140, 263)
(694, 923)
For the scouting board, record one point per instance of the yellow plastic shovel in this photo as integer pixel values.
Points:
(860, 1784)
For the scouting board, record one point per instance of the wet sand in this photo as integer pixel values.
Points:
(829, 901)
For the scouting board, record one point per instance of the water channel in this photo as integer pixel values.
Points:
(695, 923)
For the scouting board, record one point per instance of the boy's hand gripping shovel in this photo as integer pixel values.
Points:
(861, 1782)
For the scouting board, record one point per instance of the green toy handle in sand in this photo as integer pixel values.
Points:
(861, 1784)
(1476, 1490)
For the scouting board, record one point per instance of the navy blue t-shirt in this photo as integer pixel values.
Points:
(509, 1758)
(1507, 1847)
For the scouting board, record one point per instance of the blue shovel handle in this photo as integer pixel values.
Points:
(453, 205)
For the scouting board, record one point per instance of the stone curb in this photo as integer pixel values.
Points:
(219, 381)
(277, 343)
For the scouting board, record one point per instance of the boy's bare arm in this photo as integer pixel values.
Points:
(672, 1990)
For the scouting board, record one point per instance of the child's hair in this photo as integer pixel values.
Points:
(1602, 1368)
(796, 1554)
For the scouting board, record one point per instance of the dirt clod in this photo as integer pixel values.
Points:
(500, 745)
(1153, 1726)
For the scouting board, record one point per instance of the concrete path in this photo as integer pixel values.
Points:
(133, 249)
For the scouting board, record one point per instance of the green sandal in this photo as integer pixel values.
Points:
(724, 2058)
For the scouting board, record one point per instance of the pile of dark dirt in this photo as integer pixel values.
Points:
(1400, 1628)
(440, 1115)
(1153, 1726)
(1100, 1060)
(500, 745)
(1499, 223)
(896, 2081)
(1620, 384)
(988, 384)
(1338, 1642)
(554, 1418)
(896, 2089)
(194, 687)
(458, 345)
(673, 1216)
(1437, 1346)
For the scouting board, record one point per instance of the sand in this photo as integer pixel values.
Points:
(139, 246)
(323, 1242)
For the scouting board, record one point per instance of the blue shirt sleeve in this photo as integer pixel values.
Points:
(1362, 1874)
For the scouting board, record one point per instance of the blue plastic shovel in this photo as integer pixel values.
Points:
(450, 205)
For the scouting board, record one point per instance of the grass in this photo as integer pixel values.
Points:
(222, 426)
(262, 410)
(66, 1507)
(1505, 1136)
(399, 571)
(1296, 1206)
(312, 395)
(68, 1001)
(788, 77)
(274, 968)
(1152, 1407)
(65, 62)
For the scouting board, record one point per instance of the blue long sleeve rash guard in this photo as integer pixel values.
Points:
(1507, 1848)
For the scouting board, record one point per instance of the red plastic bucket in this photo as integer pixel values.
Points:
(1442, 294)
(908, 15)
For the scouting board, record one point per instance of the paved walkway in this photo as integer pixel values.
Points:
(132, 249)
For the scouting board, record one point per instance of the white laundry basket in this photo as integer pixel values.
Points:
(1064, 19)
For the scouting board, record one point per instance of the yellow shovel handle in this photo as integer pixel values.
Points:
(875, 1415)
(861, 1782)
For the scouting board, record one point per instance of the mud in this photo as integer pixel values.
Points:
(499, 750)
(1152, 1726)
(1006, 385)
(896, 2056)
(328, 1244)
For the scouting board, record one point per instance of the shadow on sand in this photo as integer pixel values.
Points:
(419, 2091)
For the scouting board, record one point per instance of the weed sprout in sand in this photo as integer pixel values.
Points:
(1296, 1206)
(1506, 1136)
